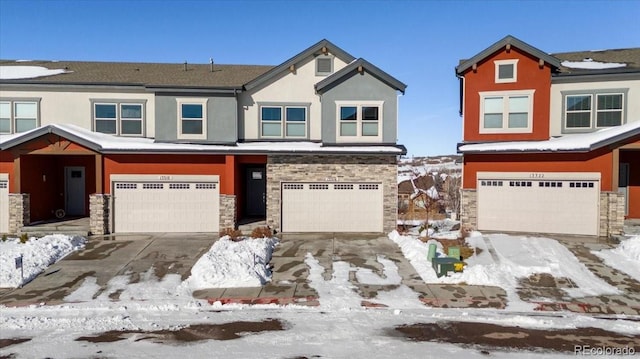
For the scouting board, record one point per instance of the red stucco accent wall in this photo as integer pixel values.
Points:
(597, 161)
(529, 76)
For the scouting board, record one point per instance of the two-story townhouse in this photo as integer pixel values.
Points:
(551, 142)
(309, 145)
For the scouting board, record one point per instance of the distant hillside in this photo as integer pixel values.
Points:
(415, 167)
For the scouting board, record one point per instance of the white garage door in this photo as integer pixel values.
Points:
(4, 203)
(165, 203)
(332, 207)
(539, 202)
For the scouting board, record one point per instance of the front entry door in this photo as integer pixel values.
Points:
(256, 184)
(74, 182)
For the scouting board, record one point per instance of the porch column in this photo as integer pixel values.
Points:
(98, 173)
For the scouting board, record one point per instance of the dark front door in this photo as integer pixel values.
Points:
(256, 199)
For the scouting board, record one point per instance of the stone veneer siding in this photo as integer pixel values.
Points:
(227, 211)
(333, 168)
(99, 209)
(19, 211)
(611, 211)
(468, 208)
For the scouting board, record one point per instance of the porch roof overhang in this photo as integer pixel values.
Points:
(108, 144)
(573, 143)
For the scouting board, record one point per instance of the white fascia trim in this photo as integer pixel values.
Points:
(541, 176)
(164, 178)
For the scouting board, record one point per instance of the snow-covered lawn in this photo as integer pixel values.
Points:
(233, 264)
(518, 257)
(37, 254)
(625, 257)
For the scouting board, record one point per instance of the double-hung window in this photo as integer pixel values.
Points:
(119, 118)
(359, 122)
(589, 111)
(506, 112)
(283, 121)
(192, 118)
(18, 115)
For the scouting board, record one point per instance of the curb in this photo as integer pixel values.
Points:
(462, 303)
(579, 307)
(308, 301)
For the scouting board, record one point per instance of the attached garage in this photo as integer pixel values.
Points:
(161, 203)
(564, 203)
(332, 207)
(4, 203)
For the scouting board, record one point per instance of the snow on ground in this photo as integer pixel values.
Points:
(517, 257)
(625, 257)
(233, 264)
(37, 254)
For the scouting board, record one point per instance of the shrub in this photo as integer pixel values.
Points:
(4, 237)
(24, 238)
(261, 232)
(234, 234)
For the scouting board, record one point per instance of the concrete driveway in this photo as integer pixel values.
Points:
(110, 256)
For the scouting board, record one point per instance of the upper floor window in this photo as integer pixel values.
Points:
(18, 115)
(288, 121)
(359, 122)
(597, 109)
(118, 118)
(506, 71)
(509, 112)
(192, 118)
(324, 65)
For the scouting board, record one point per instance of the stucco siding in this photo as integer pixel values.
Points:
(631, 109)
(289, 88)
(75, 107)
(359, 87)
(221, 118)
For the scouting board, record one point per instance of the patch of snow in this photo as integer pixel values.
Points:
(625, 257)
(590, 64)
(27, 72)
(37, 254)
(233, 264)
(338, 293)
(390, 274)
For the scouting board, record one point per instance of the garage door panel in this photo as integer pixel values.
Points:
(4, 206)
(166, 207)
(332, 207)
(546, 206)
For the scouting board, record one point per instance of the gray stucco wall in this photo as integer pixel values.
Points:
(222, 124)
(360, 87)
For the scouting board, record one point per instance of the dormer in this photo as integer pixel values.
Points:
(505, 92)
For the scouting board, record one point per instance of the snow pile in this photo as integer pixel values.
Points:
(625, 257)
(233, 264)
(27, 72)
(37, 255)
(590, 64)
(517, 257)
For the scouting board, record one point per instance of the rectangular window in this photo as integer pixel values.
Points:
(506, 112)
(118, 118)
(359, 122)
(506, 71)
(609, 111)
(283, 121)
(192, 118)
(18, 116)
(578, 111)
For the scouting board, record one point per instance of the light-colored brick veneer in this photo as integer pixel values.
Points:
(19, 211)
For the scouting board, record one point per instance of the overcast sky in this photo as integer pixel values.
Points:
(418, 42)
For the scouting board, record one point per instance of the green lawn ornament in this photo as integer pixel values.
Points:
(432, 252)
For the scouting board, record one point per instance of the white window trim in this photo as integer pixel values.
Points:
(590, 111)
(505, 119)
(192, 101)
(12, 111)
(118, 103)
(506, 62)
(283, 120)
(594, 109)
(359, 137)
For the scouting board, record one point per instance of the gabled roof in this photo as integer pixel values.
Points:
(314, 49)
(103, 143)
(507, 40)
(353, 69)
(599, 61)
(141, 74)
(583, 142)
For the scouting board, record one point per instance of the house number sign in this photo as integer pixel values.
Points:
(536, 175)
(164, 178)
